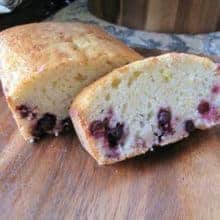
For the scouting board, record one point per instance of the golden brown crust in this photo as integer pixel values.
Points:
(81, 126)
(29, 49)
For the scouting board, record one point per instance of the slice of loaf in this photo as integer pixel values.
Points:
(44, 65)
(152, 102)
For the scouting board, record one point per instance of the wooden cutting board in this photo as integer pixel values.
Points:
(57, 179)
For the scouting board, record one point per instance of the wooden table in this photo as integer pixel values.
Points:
(57, 179)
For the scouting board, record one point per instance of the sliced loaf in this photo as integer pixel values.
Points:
(147, 103)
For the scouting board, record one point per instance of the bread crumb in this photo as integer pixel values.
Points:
(134, 76)
(115, 83)
(166, 75)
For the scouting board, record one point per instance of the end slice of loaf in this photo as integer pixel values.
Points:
(152, 102)
(44, 65)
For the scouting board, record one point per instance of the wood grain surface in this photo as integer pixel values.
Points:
(179, 16)
(57, 179)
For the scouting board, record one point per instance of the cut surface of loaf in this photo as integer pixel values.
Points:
(44, 65)
(152, 102)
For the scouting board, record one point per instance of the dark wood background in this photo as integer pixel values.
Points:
(31, 11)
(57, 179)
(179, 16)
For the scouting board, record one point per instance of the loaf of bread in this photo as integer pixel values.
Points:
(44, 65)
(148, 103)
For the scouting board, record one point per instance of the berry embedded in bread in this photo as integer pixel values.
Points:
(44, 65)
(152, 102)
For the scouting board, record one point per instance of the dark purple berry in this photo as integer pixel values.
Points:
(164, 123)
(67, 125)
(115, 134)
(189, 126)
(44, 125)
(112, 135)
(26, 112)
(97, 128)
(37, 134)
(106, 123)
(47, 122)
(203, 107)
(23, 110)
(164, 117)
(215, 89)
